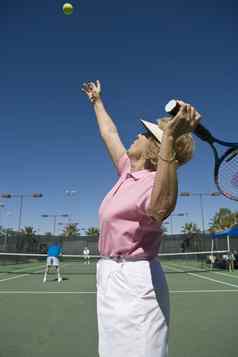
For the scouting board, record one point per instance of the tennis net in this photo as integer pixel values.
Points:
(22, 263)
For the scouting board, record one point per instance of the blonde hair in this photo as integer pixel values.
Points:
(184, 148)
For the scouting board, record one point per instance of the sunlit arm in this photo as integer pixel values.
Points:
(108, 132)
(165, 187)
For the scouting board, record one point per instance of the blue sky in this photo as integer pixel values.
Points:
(144, 53)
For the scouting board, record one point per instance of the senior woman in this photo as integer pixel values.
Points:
(132, 293)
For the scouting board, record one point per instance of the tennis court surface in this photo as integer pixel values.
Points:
(55, 319)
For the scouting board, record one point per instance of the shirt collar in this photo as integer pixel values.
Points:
(136, 175)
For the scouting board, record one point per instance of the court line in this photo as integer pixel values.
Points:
(212, 271)
(204, 277)
(14, 277)
(46, 292)
(216, 281)
(203, 291)
(23, 269)
(229, 275)
(30, 292)
(22, 275)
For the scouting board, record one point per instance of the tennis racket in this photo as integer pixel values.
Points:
(226, 165)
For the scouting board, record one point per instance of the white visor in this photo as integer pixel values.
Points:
(153, 129)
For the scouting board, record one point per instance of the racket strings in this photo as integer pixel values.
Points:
(227, 179)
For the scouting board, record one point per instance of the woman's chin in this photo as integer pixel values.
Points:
(130, 150)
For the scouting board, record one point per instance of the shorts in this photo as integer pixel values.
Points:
(52, 261)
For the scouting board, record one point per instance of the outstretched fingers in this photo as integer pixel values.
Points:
(85, 88)
(188, 114)
(98, 85)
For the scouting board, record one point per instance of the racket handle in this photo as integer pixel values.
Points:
(172, 108)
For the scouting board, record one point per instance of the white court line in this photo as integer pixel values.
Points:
(203, 291)
(20, 276)
(46, 292)
(204, 277)
(13, 277)
(215, 272)
(216, 281)
(94, 292)
(229, 275)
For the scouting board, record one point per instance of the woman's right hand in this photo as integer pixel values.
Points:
(184, 122)
(92, 90)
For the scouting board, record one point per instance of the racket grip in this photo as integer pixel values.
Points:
(172, 108)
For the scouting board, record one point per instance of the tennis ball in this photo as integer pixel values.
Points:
(68, 8)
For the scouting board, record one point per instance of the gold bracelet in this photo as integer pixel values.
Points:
(166, 160)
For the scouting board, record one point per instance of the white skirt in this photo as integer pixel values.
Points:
(132, 309)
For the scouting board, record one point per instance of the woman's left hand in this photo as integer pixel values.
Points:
(185, 121)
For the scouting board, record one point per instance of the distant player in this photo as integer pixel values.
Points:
(231, 261)
(54, 251)
(86, 253)
(212, 260)
(225, 258)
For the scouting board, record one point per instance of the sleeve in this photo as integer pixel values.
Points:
(147, 222)
(124, 165)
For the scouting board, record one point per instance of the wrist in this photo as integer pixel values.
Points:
(168, 136)
(96, 101)
(170, 159)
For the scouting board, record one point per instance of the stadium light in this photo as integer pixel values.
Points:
(71, 193)
(200, 194)
(181, 214)
(55, 216)
(185, 194)
(21, 196)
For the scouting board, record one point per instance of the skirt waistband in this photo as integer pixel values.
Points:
(121, 258)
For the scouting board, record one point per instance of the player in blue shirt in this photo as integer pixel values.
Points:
(54, 251)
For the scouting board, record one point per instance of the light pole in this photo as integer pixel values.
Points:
(200, 194)
(84, 230)
(54, 216)
(1, 206)
(175, 215)
(21, 196)
(70, 193)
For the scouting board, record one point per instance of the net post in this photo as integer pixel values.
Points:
(212, 256)
(228, 242)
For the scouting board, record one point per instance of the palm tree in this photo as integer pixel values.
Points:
(235, 218)
(223, 219)
(192, 234)
(92, 231)
(30, 234)
(71, 230)
(190, 228)
(28, 231)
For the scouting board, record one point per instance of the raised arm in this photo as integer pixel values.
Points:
(106, 125)
(165, 188)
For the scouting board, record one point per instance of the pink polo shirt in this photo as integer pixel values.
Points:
(125, 229)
